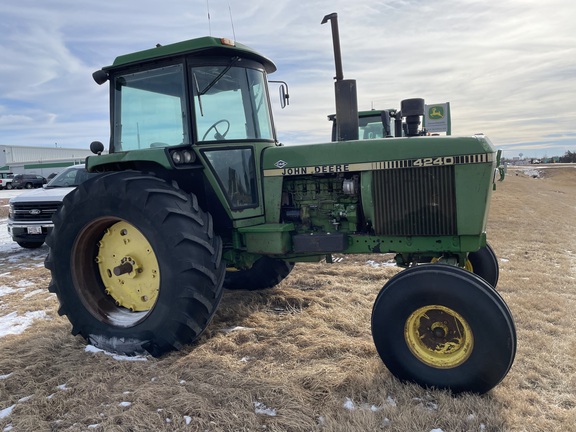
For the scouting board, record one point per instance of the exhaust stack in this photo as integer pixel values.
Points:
(345, 91)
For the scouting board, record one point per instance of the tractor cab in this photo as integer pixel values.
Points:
(198, 108)
(150, 100)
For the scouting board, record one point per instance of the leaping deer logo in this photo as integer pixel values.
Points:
(436, 113)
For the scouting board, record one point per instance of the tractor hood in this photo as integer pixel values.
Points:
(347, 156)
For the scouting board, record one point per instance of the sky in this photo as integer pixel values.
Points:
(507, 67)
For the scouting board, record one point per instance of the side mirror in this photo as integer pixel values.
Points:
(284, 96)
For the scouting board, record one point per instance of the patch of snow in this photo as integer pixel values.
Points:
(93, 426)
(6, 242)
(6, 376)
(5, 290)
(62, 387)
(531, 172)
(24, 399)
(14, 324)
(125, 404)
(374, 264)
(349, 404)
(236, 328)
(436, 430)
(6, 411)
(93, 349)
(504, 260)
(33, 293)
(187, 419)
(8, 428)
(260, 408)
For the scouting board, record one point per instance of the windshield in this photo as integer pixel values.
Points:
(231, 103)
(70, 177)
(371, 127)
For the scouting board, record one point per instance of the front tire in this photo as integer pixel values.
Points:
(265, 273)
(135, 264)
(484, 263)
(30, 245)
(442, 326)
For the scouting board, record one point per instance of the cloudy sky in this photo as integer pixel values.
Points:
(507, 67)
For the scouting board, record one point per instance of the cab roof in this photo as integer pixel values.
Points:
(199, 46)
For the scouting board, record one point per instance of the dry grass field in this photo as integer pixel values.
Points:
(300, 357)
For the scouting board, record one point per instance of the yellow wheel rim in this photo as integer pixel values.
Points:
(438, 336)
(128, 267)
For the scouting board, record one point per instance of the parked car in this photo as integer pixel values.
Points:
(30, 213)
(28, 181)
(6, 180)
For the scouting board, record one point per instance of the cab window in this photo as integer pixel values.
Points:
(150, 109)
(235, 170)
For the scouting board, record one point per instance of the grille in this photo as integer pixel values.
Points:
(414, 201)
(41, 211)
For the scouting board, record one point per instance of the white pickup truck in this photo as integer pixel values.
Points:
(6, 180)
(30, 213)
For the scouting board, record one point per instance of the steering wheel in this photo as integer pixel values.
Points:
(218, 135)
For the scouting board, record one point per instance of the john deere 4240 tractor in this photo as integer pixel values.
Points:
(197, 195)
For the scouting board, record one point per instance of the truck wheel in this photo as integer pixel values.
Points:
(265, 273)
(28, 186)
(442, 326)
(138, 269)
(9, 186)
(30, 245)
(485, 264)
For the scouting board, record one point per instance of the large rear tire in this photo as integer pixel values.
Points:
(265, 273)
(135, 264)
(442, 326)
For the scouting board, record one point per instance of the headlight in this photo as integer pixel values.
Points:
(183, 156)
(11, 211)
(189, 156)
(177, 157)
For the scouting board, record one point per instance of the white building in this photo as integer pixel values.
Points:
(39, 160)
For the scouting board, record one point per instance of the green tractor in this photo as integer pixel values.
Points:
(196, 195)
